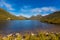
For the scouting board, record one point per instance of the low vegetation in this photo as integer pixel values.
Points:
(32, 36)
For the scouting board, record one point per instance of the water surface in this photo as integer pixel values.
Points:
(26, 26)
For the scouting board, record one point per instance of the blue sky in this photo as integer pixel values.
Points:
(28, 8)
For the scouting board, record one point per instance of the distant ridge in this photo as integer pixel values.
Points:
(37, 17)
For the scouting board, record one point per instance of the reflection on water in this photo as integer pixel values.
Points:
(26, 25)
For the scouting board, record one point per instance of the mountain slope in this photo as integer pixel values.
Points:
(4, 15)
(22, 17)
(35, 17)
(52, 18)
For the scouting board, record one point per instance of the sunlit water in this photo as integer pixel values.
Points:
(26, 26)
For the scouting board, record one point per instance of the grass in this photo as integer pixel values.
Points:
(32, 36)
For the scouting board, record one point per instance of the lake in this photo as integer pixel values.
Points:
(14, 26)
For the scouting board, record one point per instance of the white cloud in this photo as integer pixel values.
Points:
(23, 10)
(36, 10)
(8, 6)
(21, 14)
(48, 9)
(43, 11)
(24, 15)
(45, 14)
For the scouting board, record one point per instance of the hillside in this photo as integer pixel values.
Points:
(4, 15)
(35, 17)
(22, 17)
(52, 18)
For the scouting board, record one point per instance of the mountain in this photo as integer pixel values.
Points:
(52, 18)
(22, 17)
(35, 17)
(4, 15)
